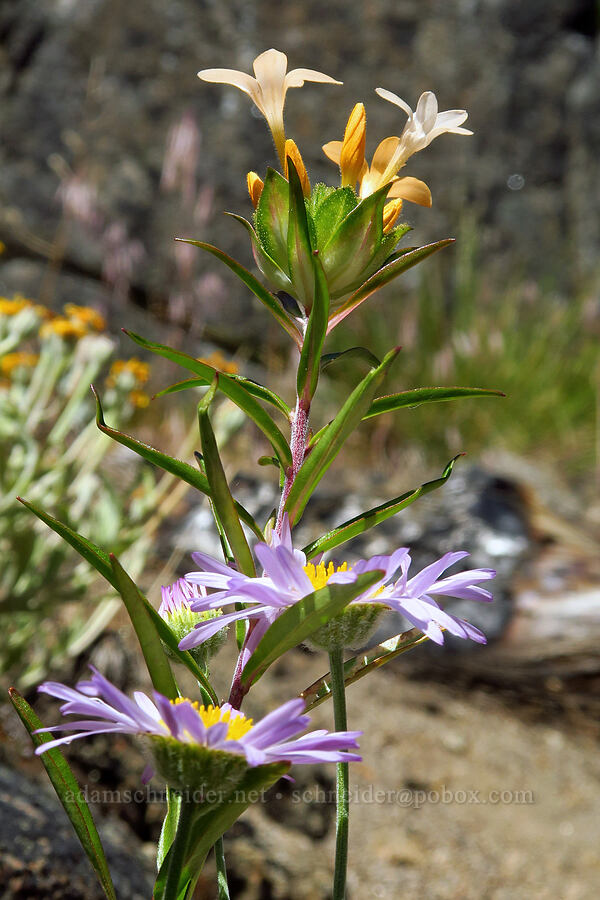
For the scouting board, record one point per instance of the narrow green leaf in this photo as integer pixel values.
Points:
(412, 399)
(254, 284)
(229, 386)
(298, 622)
(152, 649)
(208, 826)
(100, 560)
(176, 467)
(169, 826)
(219, 489)
(320, 458)
(69, 793)
(361, 665)
(310, 357)
(362, 522)
(352, 353)
(93, 554)
(383, 276)
(299, 247)
(253, 387)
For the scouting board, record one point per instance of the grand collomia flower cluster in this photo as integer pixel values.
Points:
(322, 250)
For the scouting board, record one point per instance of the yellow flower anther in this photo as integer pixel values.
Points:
(211, 715)
(255, 187)
(292, 152)
(391, 211)
(320, 574)
(352, 155)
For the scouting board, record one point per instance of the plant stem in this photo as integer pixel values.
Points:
(178, 850)
(222, 886)
(336, 665)
(299, 434)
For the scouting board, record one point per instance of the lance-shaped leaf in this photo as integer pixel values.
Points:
(176, 467)
(253, 387)
(412, 399)
(299, 246)
(265, 296)
(383, 276)
(320, 458)
(152, 649)
(310, 357)
(361, 665)
(271, 218)
(352, 353)
(219, 489)
(210, 824)
(362, 522)
(69, 793)
(100, 560)
(299, 621)
(232, 388)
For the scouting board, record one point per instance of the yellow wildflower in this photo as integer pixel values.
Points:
(13, 361)
(64, 328)
(85, 314)
(139, 399)
(218, 361)
(255, 187)
(134, 366)
(292, 152)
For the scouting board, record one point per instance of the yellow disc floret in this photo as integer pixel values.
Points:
(320, 574)
(239, 725)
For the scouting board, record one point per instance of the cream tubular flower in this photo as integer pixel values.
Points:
(424, 124)
(269, 88)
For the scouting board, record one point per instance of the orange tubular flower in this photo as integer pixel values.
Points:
(255, 187)
(352, 151)
(292, 152)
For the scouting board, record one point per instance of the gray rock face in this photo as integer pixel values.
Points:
(99, 84)
(40, 856)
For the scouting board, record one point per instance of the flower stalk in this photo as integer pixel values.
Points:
(336, 664)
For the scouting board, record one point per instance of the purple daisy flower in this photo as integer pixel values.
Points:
(104, 708)
(287, 578)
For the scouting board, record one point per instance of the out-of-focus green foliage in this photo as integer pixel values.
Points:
(52, 453)
(541, 349)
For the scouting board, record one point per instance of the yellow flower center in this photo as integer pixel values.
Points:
(239, 725)
(319, 575)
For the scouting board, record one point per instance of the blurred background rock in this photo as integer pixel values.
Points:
(111, 147)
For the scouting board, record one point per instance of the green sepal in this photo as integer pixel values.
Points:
(351, 248)
(366, 520)
(151, 647)
(169, 826)
(265, 296)
(412, 399)
(68, 792)
(298, 622)
(268, 267)
(169, 464)
(330, 212)
(271, 218)
(359, 666)
(383, 276)
(219, 489)
(232, 388)
(310, 357)
(333, 437)
(299, 245)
